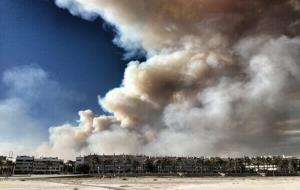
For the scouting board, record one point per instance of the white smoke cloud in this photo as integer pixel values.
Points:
(221, 78)
(21, 84)
(29, 95)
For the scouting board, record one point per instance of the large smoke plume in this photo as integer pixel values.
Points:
(222, 77)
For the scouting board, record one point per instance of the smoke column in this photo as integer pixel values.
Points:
(222, 77)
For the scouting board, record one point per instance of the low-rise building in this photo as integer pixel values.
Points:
(44, 165)
(48, 165)
(24, 165)
(114, 163)
(79, 161)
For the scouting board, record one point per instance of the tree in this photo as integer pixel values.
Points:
(157, 165)
(135, 165)
(200, 164)
(83, 169)
(148, 165)
(95, 161)
(208, 165)
(69, 166)
(179, 163)
(240, 165)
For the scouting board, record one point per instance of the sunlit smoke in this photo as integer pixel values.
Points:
(221, 77)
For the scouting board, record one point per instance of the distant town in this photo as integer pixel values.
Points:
(142, 165)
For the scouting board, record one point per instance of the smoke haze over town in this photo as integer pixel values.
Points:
(220, 78)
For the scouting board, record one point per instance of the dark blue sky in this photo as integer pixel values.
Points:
(52, 65)
(79, 54)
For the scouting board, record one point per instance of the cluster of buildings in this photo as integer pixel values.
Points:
(44, 165)
(116, 165)
(193, 166)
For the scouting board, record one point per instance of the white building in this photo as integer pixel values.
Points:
(262, 167)
(79, 160)
(24, 165)
(31, 165)
(48, 165)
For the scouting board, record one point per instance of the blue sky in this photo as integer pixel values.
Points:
(52, 64)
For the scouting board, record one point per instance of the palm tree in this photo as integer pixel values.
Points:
(178, 163)
(148, 165)
(135, 165)
(284, 166)
(207, 165)
(247, 161)
(165, 162)
(230, 165)
(240, 165)
(157, 164)
(258, 163)
(200, 164)
(95, 163)
(219, 164)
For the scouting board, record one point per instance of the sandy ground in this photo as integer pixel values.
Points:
(151, 183)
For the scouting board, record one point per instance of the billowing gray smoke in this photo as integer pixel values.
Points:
(222, 77)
